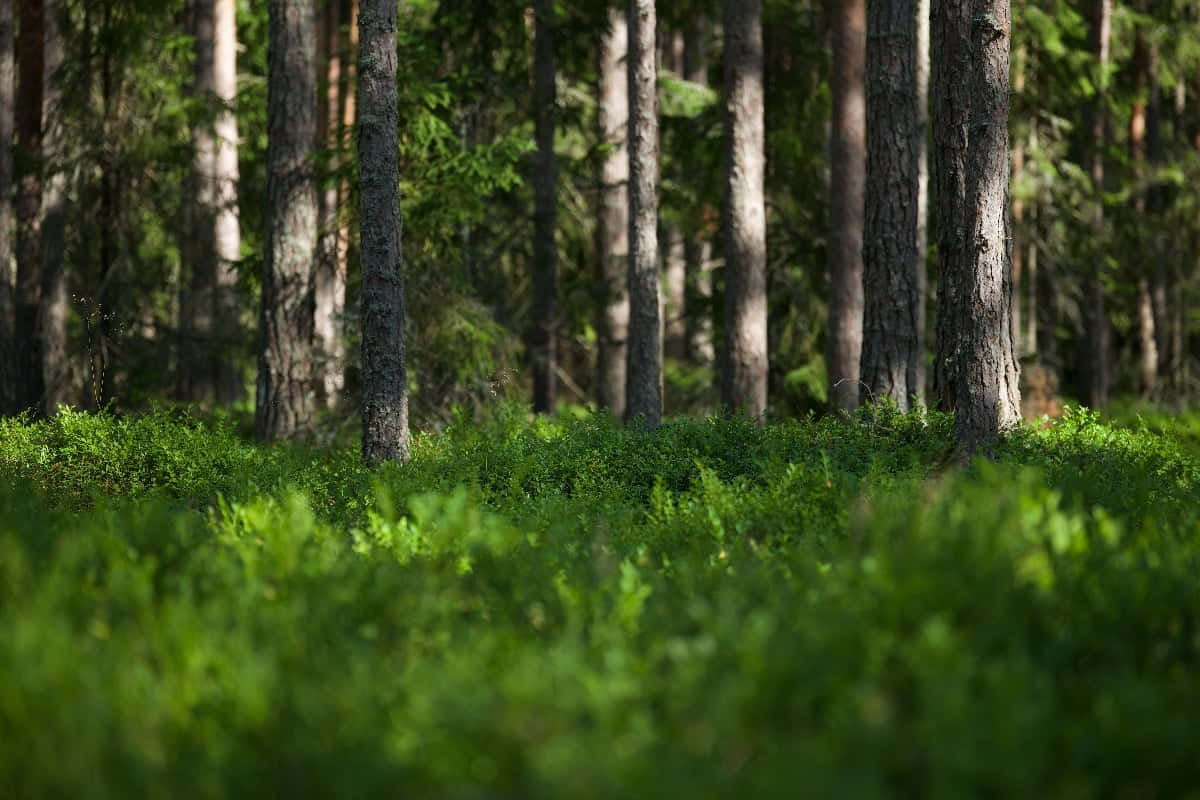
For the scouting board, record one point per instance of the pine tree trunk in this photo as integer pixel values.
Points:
(847, 178)
(27, 360)
(52, 311)
(697, 248)
(329, 284)
(1096, 370)
(918, 374)
(227, 235)
(1138, 130)
(545, 255)
(950, 27)
(989, 400)
(284, 402)
(384, 370)
(891, 352)
(643, 388)
(744, 384)
(7, 232)
(612, 224)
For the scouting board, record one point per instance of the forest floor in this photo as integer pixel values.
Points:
(574, 609)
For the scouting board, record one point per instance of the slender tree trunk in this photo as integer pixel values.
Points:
(545, 254)
(1018, 201)
(330, 279)
(697, 248)
(1138, 125)
(1098, 329)
(918, 376)
(989, 399)
(52, 311)
(385, 377)
(7, 232)
(612, 224)
(674, 292)
(347, 101)
(891, 292)
(227, 234)
(284, 402)
(950, 28)
(744, 384)
(28, 364)
(643, 388)
(847, 178)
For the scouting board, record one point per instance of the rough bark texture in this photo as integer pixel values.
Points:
(1096, 372)
(612, 223)
(545, 254)
(744, 383)
(847, 168)
(950, 26)
(697, 247)
(329, 284)
(7, 232)
(918, 377)
(891, 353)
(284, 402)
(643, 388)
(989, 399)
(52, 304)
(384, 371)
(27, 365)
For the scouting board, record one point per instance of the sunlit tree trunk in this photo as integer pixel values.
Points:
(227, 229)
(847, 177)
(643, 388)
(329, 284)
(988, 397)
(384, 370)
(284, 401)
(612, 222)
(545, 256)
(26, 358)
(52, 311)
(950, 26)
(7, 232)
(891, 352)
(744, 383)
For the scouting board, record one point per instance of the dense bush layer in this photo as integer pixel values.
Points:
(574, 609)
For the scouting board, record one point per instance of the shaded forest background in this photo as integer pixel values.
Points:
(1105, 221)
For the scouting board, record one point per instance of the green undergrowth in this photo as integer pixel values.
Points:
(819, 607)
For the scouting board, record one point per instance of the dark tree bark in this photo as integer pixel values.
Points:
(284, 402)
(643, 389)
(52, 310)
(1096, 372)
(697, 248)
(7, 232)
(891, 355)
(545, 254)
(27, 359)
(329, 284)
(612, 224)
(950, 45)
(848, 162)
(744, 384)
(989, 400)
(384, 371)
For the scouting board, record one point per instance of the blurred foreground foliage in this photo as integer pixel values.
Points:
(574, 609)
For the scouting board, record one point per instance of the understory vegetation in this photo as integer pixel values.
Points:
(572, 608)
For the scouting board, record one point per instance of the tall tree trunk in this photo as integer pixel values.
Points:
(744, 384)
(674, 267)
(1143, 84)
(284, 401)
(847, 178)
(347, 101)
(545, 254)
(612, 223)
(28, 365)
(385, 377)
(227, 234)
(7, 232)
(643, 388)
(950, 29)
(918, 376)
(989, 400)
(1017, 166)
(1098, 330)
(330, 278)
(52, 311)
(697, 248)
(891, 354)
